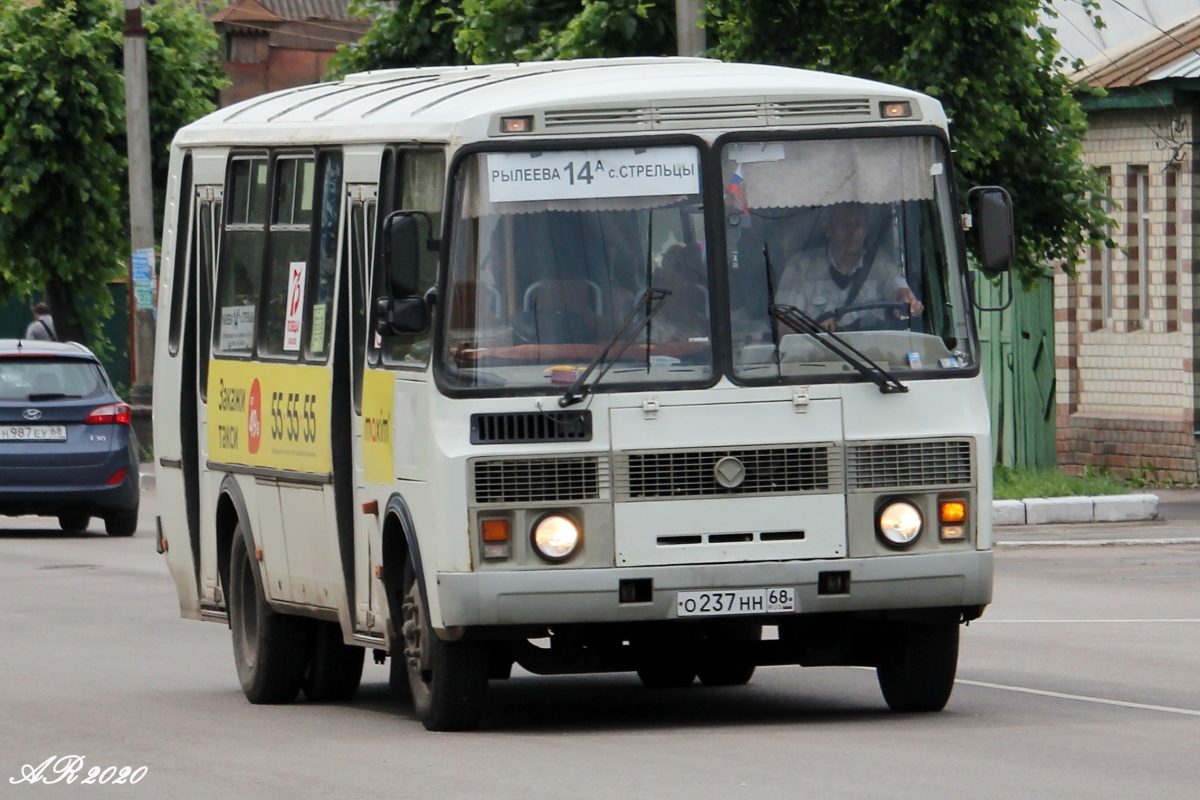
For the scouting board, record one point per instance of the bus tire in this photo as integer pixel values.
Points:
(725, 673)
(336, 667)
(917, 666)
(271, 650)
(726, 664)
(448, 680)
(667, 674)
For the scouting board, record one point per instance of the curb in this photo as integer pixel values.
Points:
(1070, 510)
(146, 477)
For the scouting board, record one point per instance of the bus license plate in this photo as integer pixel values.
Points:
(738, 601)
(33, 433)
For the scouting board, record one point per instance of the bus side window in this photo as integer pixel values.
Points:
(290, 245)
(240, 273)
(208, 225)
(422, 188)
(319, 315)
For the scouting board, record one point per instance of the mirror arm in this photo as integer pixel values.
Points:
(971, 278)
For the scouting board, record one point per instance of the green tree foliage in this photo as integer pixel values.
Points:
(432, 32)
(996, 68)
(63, 180)
(411, 33)
(491, 31)
(60, 191)
(183, 59)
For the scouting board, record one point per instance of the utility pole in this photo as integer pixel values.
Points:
(141, 197)
(689, 35)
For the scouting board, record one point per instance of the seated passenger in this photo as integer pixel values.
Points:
(684, 314)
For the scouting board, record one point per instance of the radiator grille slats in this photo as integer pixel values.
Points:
(894, 465)
(540, 480)
(675, 474)
(535, 426)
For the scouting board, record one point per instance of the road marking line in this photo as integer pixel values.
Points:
(1062, 696)
(1062, 621)
(1096, 542)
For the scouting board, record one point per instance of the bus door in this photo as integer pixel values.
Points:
(206, 226)
(361, 223)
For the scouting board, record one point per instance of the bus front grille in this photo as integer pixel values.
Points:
(895, 465)
(540, 480)
(531, 426)
(676, 474)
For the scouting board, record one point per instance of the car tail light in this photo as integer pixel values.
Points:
(115, 414)
(117, 477)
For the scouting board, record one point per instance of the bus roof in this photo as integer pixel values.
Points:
(587, 96)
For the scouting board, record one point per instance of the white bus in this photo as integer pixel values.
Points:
(574, 366)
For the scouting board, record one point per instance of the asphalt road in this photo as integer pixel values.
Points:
(1081, 680)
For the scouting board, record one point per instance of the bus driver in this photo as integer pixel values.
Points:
(844, 274)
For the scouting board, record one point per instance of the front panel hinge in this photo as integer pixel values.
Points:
(800, 399)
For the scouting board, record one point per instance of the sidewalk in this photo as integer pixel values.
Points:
(1178, 522)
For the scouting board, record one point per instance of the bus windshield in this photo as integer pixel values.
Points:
(857, 235)
(550, 251)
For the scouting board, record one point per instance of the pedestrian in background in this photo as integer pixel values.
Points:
(42, 327)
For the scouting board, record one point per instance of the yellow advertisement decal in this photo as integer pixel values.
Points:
(377, 403)
(269, 415)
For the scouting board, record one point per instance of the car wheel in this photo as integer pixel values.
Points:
(336, 667)
(72, 523)
(917, 666)
(122, 524)
(271, 650)
(448, 680)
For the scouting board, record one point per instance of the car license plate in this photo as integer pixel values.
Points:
(737, 601)
(33, 433)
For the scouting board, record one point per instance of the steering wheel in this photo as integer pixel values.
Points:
(895, 321)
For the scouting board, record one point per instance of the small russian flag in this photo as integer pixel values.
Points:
(735, 190)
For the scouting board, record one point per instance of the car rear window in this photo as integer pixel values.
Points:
(49, 379)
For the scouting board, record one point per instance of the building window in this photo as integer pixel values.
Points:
(1106, 254)
(1174, 263)
(1143, 240)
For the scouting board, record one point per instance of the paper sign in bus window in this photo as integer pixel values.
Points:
(237, 328)
(295, 306)
(585, 174)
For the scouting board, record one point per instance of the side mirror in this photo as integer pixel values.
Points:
(401, 253)
(994, 222)
(401, 315)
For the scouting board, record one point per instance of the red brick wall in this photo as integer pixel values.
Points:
(1160, 449)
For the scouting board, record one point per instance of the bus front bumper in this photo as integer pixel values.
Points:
(549, 597)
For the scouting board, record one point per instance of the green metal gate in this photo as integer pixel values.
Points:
(1017, 352)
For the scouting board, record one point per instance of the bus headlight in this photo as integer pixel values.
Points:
(899, 523)
(555, 537)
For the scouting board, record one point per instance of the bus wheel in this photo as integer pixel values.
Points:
(336, 667)
(917, 666)
(726, 665)
(271, 650)
(448, 680)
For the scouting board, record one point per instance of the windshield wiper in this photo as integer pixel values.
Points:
(801, 322)
(623, 336)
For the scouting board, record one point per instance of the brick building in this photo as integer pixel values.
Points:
(277, 44)
(1127, 331)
